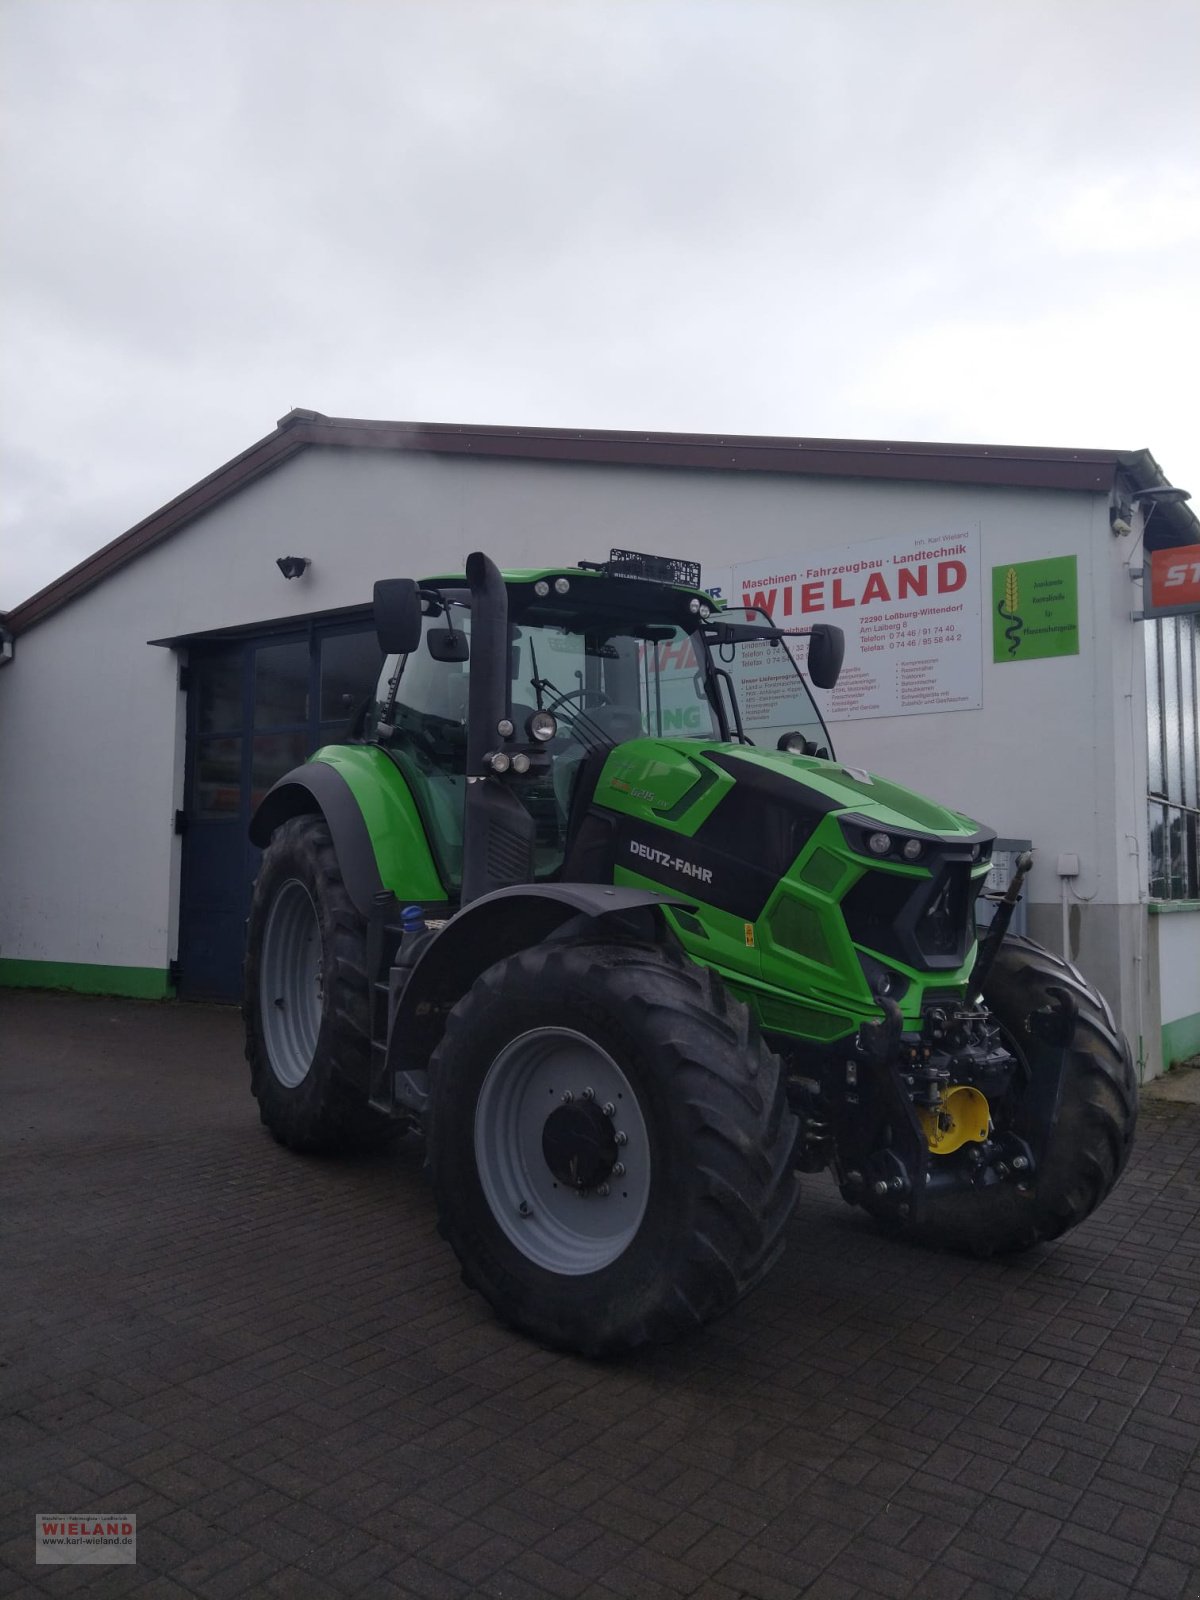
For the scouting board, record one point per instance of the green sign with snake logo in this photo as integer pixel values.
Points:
(1035, 609)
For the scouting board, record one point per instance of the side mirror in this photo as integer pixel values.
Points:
(826, 649)
(447, 645)
(795, 744)
(397, 616)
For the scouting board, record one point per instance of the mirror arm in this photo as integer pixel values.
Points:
(720, 672)
(446, 605)
(384, 724)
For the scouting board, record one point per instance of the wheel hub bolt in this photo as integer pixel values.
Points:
(619, 1170)
(567, 1098)
(881, 1187)
(602, 1189)
(1019, 1163)
(621, 1138)
(610, 1110)
(589, 1094)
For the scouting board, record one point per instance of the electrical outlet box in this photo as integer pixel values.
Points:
(1068, 866)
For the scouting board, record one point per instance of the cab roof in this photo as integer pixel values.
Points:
(592, 592)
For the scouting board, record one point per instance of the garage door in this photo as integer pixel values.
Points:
(257, 706)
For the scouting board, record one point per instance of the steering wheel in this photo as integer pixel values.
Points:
(598, 697)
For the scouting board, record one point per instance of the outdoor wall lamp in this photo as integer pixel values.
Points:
(1166, 495)
(293, 566)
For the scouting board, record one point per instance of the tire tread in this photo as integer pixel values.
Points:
(329, 1112)
(728, 1086)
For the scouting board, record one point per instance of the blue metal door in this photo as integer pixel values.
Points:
(257, 706)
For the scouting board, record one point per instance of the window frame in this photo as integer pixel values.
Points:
(1173, 746)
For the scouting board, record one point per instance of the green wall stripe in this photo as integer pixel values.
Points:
(1181, 1039)
(139, 983)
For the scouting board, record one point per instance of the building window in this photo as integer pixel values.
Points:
(1172, 696)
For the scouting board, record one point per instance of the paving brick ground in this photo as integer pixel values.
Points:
(273, 1362)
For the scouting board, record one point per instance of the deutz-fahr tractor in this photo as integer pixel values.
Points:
(628, 972)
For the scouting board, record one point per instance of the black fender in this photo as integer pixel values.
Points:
(318, 788)
(497, 925)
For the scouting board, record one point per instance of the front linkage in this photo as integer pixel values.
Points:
(909, 1117)
(912, 1118)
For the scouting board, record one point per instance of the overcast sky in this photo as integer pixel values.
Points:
(976, 221)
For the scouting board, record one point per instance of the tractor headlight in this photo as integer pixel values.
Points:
(866, 838)
(520, 762)
(561, 585)
(884, 982)
(793, 744)
(541, 588)
(541, 725)
(500, 761)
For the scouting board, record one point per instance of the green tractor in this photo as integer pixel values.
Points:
(629, 973)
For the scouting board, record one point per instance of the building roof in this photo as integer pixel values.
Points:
(1004, 466)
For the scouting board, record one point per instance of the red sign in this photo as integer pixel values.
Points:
(1174, 581)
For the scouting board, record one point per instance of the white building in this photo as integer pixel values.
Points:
(156, 690)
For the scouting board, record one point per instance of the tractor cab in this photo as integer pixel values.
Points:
(578, 661)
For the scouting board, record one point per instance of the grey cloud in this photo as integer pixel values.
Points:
(739, 214)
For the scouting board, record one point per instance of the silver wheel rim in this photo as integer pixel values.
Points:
(552, 1224)
(291, 983)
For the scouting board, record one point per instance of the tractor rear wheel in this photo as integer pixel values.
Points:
(610, 1145)
(307, 997)
(1085, 1151)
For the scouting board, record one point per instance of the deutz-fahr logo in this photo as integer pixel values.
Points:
(664, 858)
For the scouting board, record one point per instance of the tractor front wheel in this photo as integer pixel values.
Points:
(609, 1143)
(307, 997)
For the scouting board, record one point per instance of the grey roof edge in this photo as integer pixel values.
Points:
(1006, 466)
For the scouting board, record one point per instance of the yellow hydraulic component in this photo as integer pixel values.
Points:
(962, 1118)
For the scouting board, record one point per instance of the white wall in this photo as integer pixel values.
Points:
(91, 771)
(90, 718)
(1179, 964)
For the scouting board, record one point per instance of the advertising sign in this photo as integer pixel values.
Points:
(910, 610)
(1035, 610)
(1173, 586)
